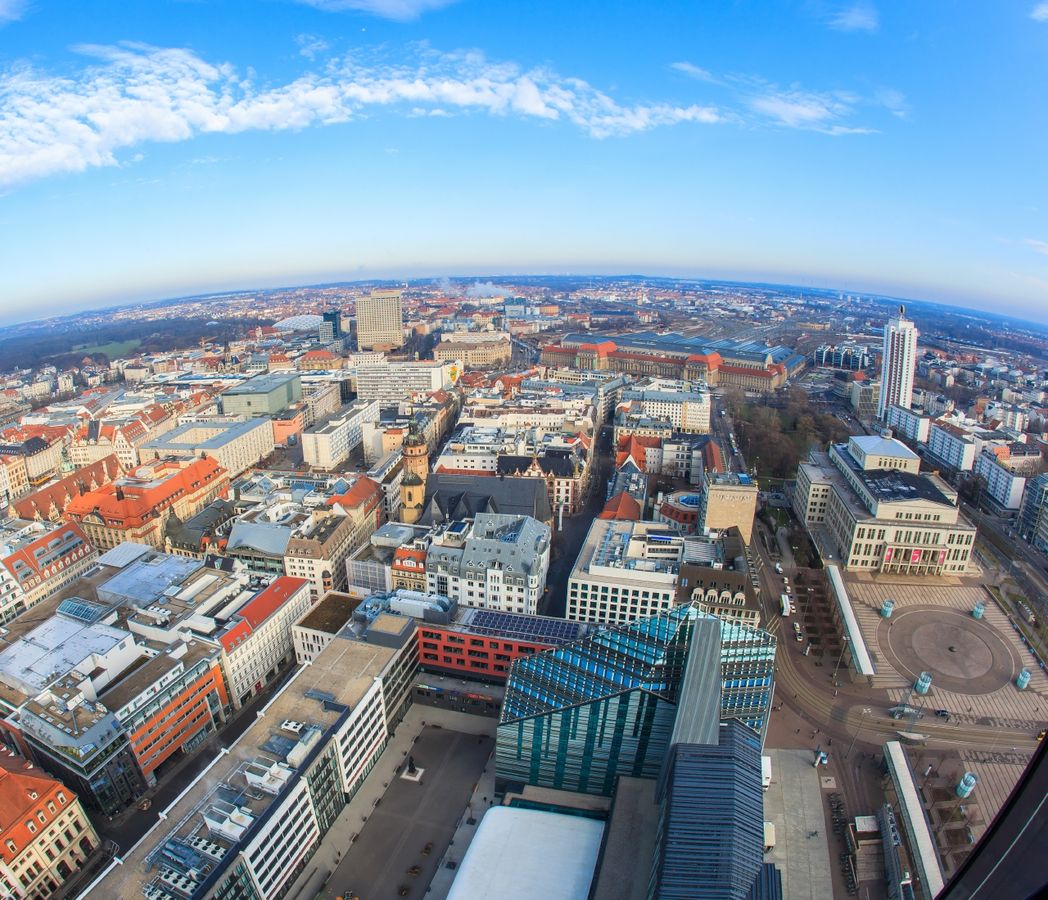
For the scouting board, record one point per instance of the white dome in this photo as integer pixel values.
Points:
(299, 323)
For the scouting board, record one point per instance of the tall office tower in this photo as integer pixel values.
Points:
(380, 321)
(898, 364)
(331, 327)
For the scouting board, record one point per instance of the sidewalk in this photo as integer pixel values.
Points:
(352, 819)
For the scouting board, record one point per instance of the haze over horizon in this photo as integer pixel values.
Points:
(187, 148)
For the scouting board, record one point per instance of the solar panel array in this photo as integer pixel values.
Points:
(539, 628)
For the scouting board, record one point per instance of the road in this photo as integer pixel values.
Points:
(126, 828)
(568, 541)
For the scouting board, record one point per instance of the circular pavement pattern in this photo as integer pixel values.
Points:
(964, 655)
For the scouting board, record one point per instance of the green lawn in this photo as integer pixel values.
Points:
(114, 349)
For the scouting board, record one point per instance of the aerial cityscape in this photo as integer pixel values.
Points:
(380, 520)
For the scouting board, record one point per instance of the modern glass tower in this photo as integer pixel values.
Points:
(578, 716)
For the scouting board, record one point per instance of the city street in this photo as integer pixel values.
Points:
(127, 827)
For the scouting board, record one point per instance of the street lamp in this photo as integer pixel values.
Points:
(844, 647)
(862, 719)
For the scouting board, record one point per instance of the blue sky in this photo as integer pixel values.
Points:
(151, 148)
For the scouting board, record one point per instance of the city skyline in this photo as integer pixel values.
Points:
(197, 148)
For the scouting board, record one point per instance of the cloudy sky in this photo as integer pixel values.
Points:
(153, 148)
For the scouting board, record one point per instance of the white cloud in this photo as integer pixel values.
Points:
(11, 10)
(797, 108)
(397, 10)
(1040, 12)
(309, 45)
(856, 17)
(1037, 246)
(693, 71)
(132, 94)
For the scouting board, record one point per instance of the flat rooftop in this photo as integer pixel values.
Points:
(331, 613)
(261, 384)
(553, 856)
(205, 435)
(314, 698)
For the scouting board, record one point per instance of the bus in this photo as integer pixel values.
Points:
(786, 608)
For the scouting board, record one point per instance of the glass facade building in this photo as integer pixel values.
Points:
(578, 716)
(710, 839)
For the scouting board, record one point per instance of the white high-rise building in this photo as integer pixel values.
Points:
(380, 321)
(898, 363)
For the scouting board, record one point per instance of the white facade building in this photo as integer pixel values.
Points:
(236, 443)
(328, 444)
(391, 382)
(908, 424)
(898, 363)
(494, 562)
(380, 321)
(624, 572)
(1003, 486)
(258, 639)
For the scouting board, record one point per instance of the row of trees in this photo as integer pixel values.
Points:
(776, 433)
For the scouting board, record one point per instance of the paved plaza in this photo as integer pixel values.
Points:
(973, 662)
(794, 803)
(405, 836)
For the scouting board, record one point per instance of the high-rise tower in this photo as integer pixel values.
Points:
(898, 363)
(380, 321)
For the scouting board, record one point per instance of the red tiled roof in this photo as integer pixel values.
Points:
(19, 780)
(141, 500)
(363, 489)
(622, 506)
(268, 601)
(31, 571)
(39, 504)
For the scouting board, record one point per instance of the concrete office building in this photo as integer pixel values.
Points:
(898, 363)
(264, 395)
(391, 382)
(728, 500)
(328, 444)
(380, 321)
(237, 444)
(251, 823)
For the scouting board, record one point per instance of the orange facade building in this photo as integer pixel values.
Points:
(137, 506)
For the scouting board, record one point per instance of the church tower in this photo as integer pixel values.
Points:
(416, 470)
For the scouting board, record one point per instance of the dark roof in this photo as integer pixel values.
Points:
(551, 463)
(451, 496)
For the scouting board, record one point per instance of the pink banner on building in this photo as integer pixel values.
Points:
(888, 555)
(915, 557)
